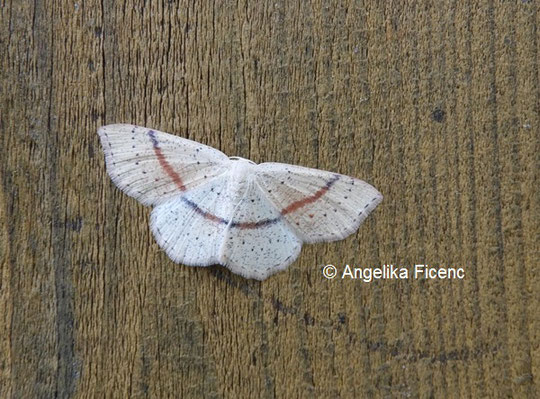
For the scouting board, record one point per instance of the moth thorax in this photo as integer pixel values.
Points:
(240, 171)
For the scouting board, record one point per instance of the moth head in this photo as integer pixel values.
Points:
(242, 160)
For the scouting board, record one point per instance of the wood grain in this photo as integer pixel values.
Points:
(434, 103)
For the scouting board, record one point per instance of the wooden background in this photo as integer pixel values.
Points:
(434, 103)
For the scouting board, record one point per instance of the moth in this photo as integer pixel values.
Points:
(213, 209)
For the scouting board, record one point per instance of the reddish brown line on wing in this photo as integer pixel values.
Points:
(300, 203)
(308, 200)
(239, 225)
(166, 165)
(248, 225)
(212, 217)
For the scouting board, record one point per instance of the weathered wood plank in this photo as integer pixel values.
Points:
(436, 104)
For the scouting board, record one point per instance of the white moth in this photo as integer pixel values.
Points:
(211, 209)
